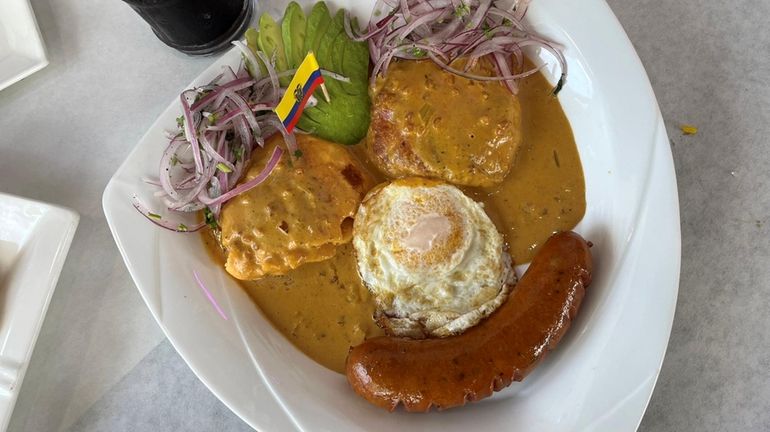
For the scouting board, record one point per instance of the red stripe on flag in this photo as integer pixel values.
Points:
(318, 81)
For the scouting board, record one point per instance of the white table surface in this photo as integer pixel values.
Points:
(102, 364)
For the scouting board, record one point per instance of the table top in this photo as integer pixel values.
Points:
(101, 362)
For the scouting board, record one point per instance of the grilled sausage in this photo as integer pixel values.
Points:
(506, 347)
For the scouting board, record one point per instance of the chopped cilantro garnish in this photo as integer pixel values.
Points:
(426, 111)
(180, 121)
(418, 52)
(487, 30)
(213, 118)
(462, 10)
(201, 94)
(174, 160)
(210, 220)
(238, 153)
(182, 227)
(153, 215)
(224, 168)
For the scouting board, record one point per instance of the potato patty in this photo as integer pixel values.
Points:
(431, 123)
(300, 214)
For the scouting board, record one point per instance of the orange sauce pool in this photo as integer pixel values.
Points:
(545, 190)
(323, 308)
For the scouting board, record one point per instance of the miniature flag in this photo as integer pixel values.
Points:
(293, 102)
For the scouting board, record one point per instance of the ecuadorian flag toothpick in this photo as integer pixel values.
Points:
(305, 81)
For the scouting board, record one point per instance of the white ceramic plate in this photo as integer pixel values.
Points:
(21, 47)
(34, 240)
(601, 376)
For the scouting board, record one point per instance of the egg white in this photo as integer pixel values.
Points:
(433, 260)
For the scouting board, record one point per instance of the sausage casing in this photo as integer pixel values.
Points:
(486, 358)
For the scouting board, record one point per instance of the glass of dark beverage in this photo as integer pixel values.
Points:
(196, 27)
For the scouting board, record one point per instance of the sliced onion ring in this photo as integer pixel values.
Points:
(262, 176)
(163, 223)
(445, 30)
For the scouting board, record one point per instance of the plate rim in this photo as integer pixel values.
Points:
(40, 62)
(57, 248)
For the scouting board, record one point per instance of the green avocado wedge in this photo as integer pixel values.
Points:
(293, 29)
(252, 36)
(346, 119)
(324, 52)
(317, 23)
(271, 43)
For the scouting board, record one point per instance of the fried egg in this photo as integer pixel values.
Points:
(433, 260)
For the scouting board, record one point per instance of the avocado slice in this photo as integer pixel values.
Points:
(355, 63)
(271, 43)
(338, 51)
(325, 51)
(252, 35)
(293, 29)
(317, 24)
(346, 119)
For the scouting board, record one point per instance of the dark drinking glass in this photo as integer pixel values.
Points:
(195, 27)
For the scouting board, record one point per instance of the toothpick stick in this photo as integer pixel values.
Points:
(326, 93)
